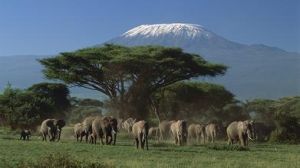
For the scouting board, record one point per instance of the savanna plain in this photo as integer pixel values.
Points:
(68, 152)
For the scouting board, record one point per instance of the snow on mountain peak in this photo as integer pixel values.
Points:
(176, 29)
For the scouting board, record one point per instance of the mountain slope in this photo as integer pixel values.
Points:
(255, 70)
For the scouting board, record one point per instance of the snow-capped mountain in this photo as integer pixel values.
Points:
(178, 30)
(254, 70)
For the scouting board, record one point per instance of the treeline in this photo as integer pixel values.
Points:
(27, 108)
(279, 119)
(145, 82)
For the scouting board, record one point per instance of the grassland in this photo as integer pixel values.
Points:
(13, 152)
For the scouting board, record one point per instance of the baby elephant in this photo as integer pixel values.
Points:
(140, 132)
(25, 134)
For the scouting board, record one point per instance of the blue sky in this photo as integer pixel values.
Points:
(49, 27)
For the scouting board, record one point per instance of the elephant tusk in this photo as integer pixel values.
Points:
(114, 132)
(250, 138)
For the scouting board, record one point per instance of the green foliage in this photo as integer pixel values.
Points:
(228, 147)
(26, 108)
(56, 92)
(192, 100)
(287, 129)
(282, 114)
(82, 108)
(128, 75)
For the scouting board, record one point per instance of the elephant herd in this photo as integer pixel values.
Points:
(100, 128)
(237, 131)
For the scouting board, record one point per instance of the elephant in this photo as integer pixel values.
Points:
(154, 132)
(120, 123)
(127, 124)
(52, 128)
(87, 126)
(48, 129)
(211, 132)
(79, 131)
(113, 122)
(240, 131)
(165, 129)
(105, 126)
(25, 134)
(179, 132)
(140, 132)
(196, 131)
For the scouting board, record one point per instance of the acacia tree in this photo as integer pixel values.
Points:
(192, 100)
(128, 75)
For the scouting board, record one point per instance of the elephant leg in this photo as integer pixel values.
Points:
(110, 140)
(101, 138)
(241, 140)
(146, 139)
(81, 138)
(230, 140)
(86, 138)
(59, 136)
(137, 143)
(115, 139)
(140, 137)
(246, 140)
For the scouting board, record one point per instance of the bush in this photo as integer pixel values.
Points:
(61, 160)
(228, 147)
(287, 131)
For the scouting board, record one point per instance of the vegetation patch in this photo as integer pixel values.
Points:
(228, 147)
(61, 160)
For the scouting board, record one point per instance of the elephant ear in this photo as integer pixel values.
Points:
(50, 122)
(60, 123)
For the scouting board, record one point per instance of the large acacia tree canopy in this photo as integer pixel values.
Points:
(116, 70)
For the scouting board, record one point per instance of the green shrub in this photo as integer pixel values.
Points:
(228, 147)
(287, 131)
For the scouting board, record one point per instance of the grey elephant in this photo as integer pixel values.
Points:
(154, 132)
(140, 132)
(196, 131)
(165, 129)
(25, 134)
(179, 132)
(105, 127)
(113, 124)
(79, 131)
(211, 132)
(87, 126)
(48, 129)
(120, 123)
(52, 128)
(240, 131)
(127, 124)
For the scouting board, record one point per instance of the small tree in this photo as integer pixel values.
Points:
(193, 100)
(26, 108)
